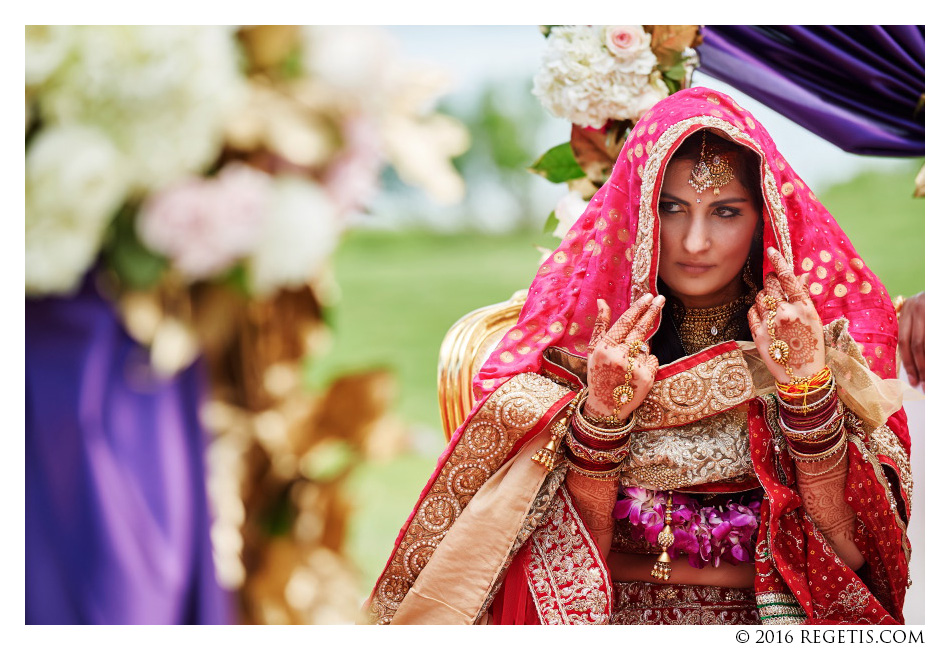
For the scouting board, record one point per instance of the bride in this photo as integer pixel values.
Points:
(695, 419)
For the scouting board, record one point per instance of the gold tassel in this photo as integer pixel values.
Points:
(664, 564)
(547, 455)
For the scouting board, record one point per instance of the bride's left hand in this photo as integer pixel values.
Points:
(796, 322)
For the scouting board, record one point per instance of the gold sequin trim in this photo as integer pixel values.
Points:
(710, 387)
(566, 575)
(714, 449)
(879, 474)
(885, 442)
(510, 412)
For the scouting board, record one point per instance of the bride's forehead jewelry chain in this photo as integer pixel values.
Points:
(711, 170)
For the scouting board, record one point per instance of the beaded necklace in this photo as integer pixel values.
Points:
(699, 328)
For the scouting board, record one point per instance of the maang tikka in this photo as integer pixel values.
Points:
(711, 170)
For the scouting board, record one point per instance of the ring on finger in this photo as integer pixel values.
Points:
(624, 393)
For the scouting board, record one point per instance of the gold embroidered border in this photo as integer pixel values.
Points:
(512, 410)
(567, 578)
(536, 516)
(643, 255)
(879, 474)
(885, 442)
(779, 609)
(710, 387)
(711, 450)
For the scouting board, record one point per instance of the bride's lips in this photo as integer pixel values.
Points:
(693, 268)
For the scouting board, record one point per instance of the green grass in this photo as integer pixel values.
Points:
(885, 224)
(401, 291)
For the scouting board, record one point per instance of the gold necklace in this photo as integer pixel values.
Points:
(699, 328)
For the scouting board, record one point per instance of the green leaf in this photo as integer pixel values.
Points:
(551, 224)
(292, 65)
(238, 278)
(136, 266)
(671, 84)
(558, 164)
(676, 72)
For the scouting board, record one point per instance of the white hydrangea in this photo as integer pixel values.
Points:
(300, 231)
(75, 181)
(46, 49)
(583, 80)
(160, 93)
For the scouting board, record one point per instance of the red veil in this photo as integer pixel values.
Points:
(612, 253)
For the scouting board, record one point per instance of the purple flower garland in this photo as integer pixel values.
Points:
(705, 534)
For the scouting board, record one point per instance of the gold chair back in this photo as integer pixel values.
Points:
(466, 346)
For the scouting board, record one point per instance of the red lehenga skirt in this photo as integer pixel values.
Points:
(645, 603)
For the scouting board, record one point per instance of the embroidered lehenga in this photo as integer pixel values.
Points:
(495, 537)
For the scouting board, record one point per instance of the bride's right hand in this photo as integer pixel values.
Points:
(608, 357)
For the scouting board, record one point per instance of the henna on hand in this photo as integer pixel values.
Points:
(795, 321)
(601, 380)
(607, 366)
(824, 500)
(802, 344)
(594, 500)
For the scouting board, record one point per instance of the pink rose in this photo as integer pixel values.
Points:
(626, 41)
(204, 225)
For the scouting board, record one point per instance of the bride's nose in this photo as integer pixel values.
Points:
(696, 239)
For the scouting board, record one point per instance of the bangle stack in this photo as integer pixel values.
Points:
(798, 392)
(592, 450)
(814, 431)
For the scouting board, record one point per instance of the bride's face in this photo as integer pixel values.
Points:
(704, 244)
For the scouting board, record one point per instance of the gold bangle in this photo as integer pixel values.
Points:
(580, 450)
(809, 408)
(817, 458)
(606, 475)
(824, 471)
(825, 431)
(599, 433)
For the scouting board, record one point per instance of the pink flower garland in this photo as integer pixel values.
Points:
(705, 534)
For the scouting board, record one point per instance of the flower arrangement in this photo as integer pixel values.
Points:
(200, 178)
(174, 128)
(603, 78)
(704, 534)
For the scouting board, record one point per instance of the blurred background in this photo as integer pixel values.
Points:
(243, 249)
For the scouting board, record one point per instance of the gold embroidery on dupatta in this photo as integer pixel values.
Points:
(536, 516)
(644, 247)
(875, 463)
(885, 442)
(849, 605)
(511, 411)
(713, 449)
(707, 388)
(566, 576)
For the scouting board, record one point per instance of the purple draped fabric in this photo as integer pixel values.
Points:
(117, 521)
(857, 86)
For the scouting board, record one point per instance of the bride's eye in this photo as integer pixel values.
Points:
(670, 207)
(727, 212)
